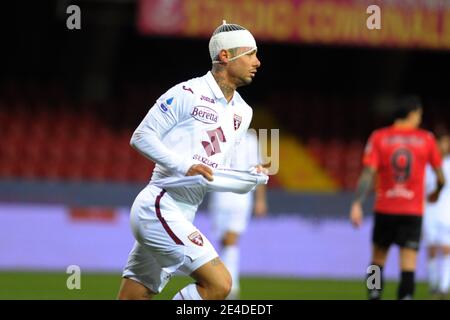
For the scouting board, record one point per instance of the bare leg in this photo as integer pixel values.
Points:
(213, 280)
(379, 255)
(230, 257)
(133, 290)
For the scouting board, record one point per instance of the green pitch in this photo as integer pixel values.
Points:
(46, 285)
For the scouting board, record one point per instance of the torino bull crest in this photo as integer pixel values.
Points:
(196, 238)
(237, 121)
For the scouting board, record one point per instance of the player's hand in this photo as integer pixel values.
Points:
(260, 169)
(205, 171)
(433, 197)
(356, 214)
(260, 208)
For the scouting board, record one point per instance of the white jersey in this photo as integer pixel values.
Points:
(440, 211)
(436, 223)
(247, 153)
(231, 211)
(196, 124)
(225, 180)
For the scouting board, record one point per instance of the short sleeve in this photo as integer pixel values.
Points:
(371, 157)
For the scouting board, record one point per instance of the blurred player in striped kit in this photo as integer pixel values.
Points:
(437, 227)
(231, 211)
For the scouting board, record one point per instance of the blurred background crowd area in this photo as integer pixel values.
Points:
(70, 99)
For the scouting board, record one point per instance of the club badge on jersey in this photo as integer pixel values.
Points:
(196, 238)
(237, 121)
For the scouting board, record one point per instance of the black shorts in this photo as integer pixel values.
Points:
(403, 230)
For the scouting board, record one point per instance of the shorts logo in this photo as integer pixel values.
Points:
(204, 114)
(196, 238)
(237, 121)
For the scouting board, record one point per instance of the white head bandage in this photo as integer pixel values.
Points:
(229, 36)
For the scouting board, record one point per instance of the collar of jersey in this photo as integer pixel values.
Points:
(214, 86)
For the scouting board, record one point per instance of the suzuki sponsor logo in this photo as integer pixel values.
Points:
(205, 161)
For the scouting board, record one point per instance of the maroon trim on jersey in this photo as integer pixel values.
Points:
(163, 221)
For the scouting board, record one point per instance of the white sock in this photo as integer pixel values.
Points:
(444, 282)
(188, 293)
(433, 273)
(230, 257)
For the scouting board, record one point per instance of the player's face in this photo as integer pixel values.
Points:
(243, 69)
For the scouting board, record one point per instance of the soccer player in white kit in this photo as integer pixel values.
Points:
(437, 228)
(192, 129)
(231, 212)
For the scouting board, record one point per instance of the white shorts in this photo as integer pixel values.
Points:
(436, 231)
(230, 212)
(166, 239)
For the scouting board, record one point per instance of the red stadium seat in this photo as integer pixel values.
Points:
(8, 169)
(118, 171)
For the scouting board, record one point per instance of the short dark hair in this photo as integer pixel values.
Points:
(405, 105)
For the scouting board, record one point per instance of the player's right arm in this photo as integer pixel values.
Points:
(170, 109)
(365, 181)
(440, 182)
(197, 169)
